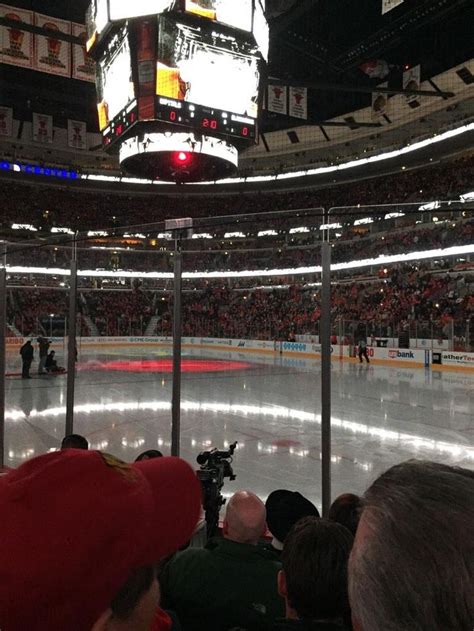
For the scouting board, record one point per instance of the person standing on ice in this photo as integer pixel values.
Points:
(27, 354)
(363, 351)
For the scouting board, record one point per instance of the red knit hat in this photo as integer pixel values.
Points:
(74, 524)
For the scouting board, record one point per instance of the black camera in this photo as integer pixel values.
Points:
(215, 467)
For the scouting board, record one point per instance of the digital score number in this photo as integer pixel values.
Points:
(224, 126)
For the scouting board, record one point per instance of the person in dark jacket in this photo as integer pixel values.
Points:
(232, 581)
(27, 355)
(313, 580)
(363, 351)
(51, 364)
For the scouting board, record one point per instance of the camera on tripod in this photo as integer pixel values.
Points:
(215, 467)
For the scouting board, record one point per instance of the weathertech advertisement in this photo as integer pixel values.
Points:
(207, 68)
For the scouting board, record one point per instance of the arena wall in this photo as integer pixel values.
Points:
(401, 357)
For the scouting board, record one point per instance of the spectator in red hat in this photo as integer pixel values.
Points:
(81, 533)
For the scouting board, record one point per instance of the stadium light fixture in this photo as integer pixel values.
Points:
(24, 226)
(330, 226)
(394, 215)
(60, 230)
(301, 229)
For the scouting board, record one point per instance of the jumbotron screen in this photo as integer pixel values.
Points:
(115, 87)
(234, 13)
(207, 68)
(124, 9)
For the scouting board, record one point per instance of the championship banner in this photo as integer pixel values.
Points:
(388, 5)
(42, 128)
(411, 81)
(299, 102)
(6, 122)
(16, 46)
(76, 134)
(83, 66)
(380, 103)
(278, 99)
(52, 55)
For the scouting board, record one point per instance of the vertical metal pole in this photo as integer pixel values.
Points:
(176, 397)
(71, 343)
(326, 377)
(3, 348)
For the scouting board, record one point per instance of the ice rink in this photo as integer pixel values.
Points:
(270, 405)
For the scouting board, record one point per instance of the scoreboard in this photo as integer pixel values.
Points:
(178, 66)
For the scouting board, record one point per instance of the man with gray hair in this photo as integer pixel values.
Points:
(232, 581)
(412, 564)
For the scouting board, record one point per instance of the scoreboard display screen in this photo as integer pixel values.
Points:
(97, 19)
(115, 87)
(260, 29)
(205, 119)
(234, 13)
(207, 68)
(178, 83)
(124, 9)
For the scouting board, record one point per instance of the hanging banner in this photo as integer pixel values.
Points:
(83, 66)
(299, 102)
(388, 5)
(77, 134)
(380, 103)
(16, 46)
(42, 128)
(52, 55)
(411, 81)
(6, 122)
(278, 99)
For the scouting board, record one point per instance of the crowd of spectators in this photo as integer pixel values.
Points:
(93, 542)
(35, 311)
(425, 302)
(397, 299)
(119, 313)
(45, 207)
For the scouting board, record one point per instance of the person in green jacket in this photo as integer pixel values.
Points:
(232, 581)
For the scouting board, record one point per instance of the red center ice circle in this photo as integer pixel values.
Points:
(166, 365)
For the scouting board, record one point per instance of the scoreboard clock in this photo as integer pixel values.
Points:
(178, 83)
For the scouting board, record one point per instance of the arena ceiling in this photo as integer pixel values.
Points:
(319, 43)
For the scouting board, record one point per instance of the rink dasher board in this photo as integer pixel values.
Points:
(413, 358)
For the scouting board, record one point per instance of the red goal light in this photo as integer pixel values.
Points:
(182, 157)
